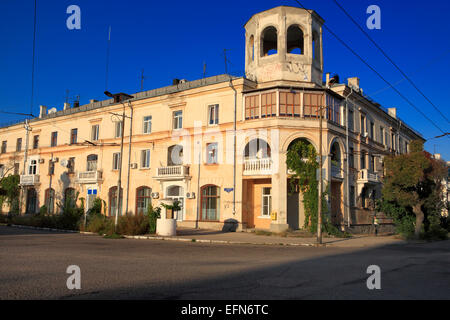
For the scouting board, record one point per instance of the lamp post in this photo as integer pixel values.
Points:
(119, 98)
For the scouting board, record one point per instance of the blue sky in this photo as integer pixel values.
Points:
(172, 39)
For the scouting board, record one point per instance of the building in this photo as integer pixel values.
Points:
(240, 128)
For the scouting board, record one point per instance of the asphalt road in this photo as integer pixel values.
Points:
(33, 266)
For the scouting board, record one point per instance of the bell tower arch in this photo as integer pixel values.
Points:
(284, 43)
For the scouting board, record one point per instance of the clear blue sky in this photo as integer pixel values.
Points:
(172, 39)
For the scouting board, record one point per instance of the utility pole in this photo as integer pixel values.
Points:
(25, 158)
(129, 155)
(319, 211)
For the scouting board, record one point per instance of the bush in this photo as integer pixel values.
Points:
(152, 216)
(101, 225)
(132, 225)
(436, 232)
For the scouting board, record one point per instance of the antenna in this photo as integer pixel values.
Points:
(67, 95)
(225, 56)
(142, 80)
(107, 59)
(204, 69)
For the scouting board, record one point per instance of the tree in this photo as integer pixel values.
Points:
(9, 192)
(413, 181)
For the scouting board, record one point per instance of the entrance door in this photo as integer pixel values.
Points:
(336, 203)
(91, 195)
(176, 193)
(31, 200)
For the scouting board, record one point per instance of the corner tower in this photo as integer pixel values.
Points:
(284, 43)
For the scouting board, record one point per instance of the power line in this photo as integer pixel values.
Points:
(390, 60)
(376, 72)
(34, 54)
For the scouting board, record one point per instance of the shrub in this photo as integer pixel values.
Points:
(101, 225)
(436, 232)
(132, 225)
(152, 216)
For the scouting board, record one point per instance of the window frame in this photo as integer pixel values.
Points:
(35, 141)
(118, 128)
(177, 119)
(54, 139)
(116, 161)
(213, 114)
(19, 144)
(204, 199)
(145, 159)
(95, 132)
(212, 146)
(147, 124)
(142, 198)
(269, 205)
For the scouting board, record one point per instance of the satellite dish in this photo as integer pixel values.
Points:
(63, 162)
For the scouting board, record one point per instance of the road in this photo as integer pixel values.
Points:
(33, 266)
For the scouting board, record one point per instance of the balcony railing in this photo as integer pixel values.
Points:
(29, 179)
(172, 172)
(366, 176)
(254, 167)
(89, 176)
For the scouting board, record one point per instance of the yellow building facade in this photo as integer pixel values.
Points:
(218, 145)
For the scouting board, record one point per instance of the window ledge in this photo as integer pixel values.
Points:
(263, 217)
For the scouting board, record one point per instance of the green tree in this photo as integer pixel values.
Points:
(9, 192)
(413, 182)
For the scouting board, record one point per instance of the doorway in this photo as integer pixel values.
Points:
(176, 193)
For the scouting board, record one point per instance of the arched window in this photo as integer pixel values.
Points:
(294, 40)
(143, 199)
(210, 199)
(269, 41)
(251, 48)
(315, 46)
(257, 149)
(175, 155)
(92, 162)
(50, 200)
(69, 197)
(113, 201)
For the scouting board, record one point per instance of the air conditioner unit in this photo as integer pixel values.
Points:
(41, 160)
(190, 195)
(133, 166)
(155, 195)
(64, 162)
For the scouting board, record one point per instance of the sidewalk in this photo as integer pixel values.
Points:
(214, 236)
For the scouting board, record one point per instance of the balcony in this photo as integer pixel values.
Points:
(365, 176)
(257, 167)
(172, 172)
(29, 180)
(89, 177)
(336, 172)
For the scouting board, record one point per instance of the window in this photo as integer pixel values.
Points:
(210, 203)
(268, 105)
(36, 142)
(363, 124)
(252, 107)
(312, 103)
(351, 126)
(16, 168)
(70, 197)
(95, 131)
(351, 158)
(116, 161)
(363, 160)
(91, 163)
(118, 129)
(147, 125)
(251, 49)
(113, 201)
(393, 141)
(213, 114)
(32, 168)
(290, 104)
(71, 165)
(4, 146)
(211, 149)
(50, 200)
(382, 135)
(372, 130)
(19, 144)
(143, 199)
(145, 158)
(177, 120)
(266, 202)
(333, 109)
(54, 139)
(352, 197)
(294, 40)
(372, 163)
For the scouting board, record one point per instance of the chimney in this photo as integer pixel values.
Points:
(175, 82)
(437, 156)
(327, 81)
(392, 112)
(353, 83)
(43, 111)
(92, 101)
(66, 105)
(76, 104)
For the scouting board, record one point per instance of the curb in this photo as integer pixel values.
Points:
(177, 239)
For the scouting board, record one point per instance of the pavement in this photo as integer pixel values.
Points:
(33, 265)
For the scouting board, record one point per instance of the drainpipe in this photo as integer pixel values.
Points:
(129, 156)
(234, 147)
(347, 173)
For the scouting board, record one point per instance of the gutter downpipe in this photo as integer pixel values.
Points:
(347, 174)
(234, 146)
(129, 157)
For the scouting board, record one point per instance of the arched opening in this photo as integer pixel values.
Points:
(251, 48)
(335, 156)
(143, 199)
(176, 193)
(315, 47)
(175, 155)
(50, 200)
(31, 200)
(295, 44)
(91, 164)
(210, 201)
(257, 149)
(112, 195)
(306, 141)
(269, 40)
